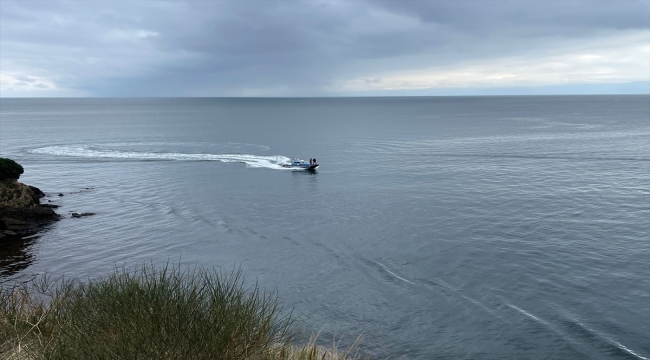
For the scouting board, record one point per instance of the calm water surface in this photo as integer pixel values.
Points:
(463, 228)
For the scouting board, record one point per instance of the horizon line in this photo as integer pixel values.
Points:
(318, 97)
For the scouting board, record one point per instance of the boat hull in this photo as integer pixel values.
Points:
(301, 167)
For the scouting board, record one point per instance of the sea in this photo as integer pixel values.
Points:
(506, 227)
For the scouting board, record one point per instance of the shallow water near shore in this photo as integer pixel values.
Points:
(451, 227)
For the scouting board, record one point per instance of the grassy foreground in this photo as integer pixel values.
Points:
(149, 313)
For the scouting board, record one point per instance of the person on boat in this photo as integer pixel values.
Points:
(311, 161)
(315, 163)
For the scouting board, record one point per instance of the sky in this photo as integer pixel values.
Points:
(270, 48)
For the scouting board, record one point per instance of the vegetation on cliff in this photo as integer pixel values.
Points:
(149, 313)
(18, 195)
(10, 169)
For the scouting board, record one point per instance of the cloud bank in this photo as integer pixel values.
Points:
(319, 48)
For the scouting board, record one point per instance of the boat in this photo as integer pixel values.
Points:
(301, 164)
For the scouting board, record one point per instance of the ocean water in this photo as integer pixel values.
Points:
(437, 227)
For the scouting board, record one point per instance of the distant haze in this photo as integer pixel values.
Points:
(323, 48)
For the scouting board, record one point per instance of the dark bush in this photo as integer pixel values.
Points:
(10, 169)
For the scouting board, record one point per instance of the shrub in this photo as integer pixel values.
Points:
(10, 169)
(144, 313)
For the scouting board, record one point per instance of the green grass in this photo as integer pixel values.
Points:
(150, 313)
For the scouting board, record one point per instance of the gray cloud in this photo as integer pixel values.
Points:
(24, 79)
(285, 48)
(563, 17)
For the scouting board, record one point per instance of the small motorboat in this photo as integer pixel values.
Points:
(301, 164)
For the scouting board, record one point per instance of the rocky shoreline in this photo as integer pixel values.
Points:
(21, 212)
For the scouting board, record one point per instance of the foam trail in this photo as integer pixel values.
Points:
(271, 162)
(393, 274)
(622, 347)
(528, 314)
(619, 345)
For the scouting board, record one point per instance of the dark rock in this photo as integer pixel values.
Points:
(60, 194)
(36, 191)
(21, 212)
(77, 215)
(26, 220)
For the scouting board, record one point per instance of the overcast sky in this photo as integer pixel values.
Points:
(323, 48)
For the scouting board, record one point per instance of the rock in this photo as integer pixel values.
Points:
(77, 215)
(27, 220)
(20, 209)
(36, 191)
(60, 194)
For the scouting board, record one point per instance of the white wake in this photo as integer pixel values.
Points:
(86, 151)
